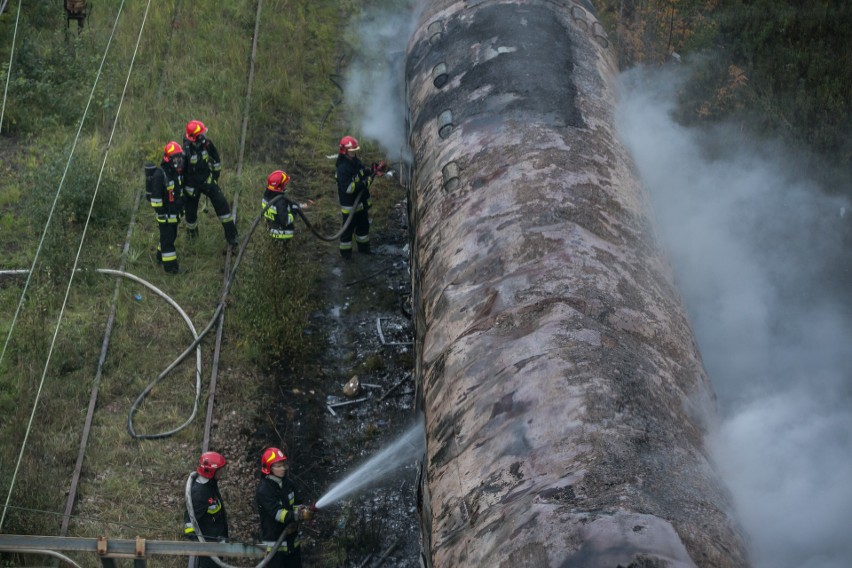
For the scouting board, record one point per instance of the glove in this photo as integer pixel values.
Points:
(304, 513)
(379, 168)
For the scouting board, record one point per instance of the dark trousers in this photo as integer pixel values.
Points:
(207, 562)
(166, 248)
(286, 560)
(360, 226)
(220, 204)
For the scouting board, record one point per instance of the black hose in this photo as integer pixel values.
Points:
(337, 235)
(221, 306)
(187, 495)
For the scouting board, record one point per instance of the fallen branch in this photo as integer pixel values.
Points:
(393, 388)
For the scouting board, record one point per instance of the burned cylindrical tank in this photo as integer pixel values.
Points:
(565, 400)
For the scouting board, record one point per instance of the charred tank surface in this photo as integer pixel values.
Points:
(565, 399)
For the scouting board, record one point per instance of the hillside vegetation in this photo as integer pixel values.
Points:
(66, 147)
(779, 68)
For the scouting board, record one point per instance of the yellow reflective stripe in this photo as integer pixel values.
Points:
(216, 507)
(280, 515)
(226, 218)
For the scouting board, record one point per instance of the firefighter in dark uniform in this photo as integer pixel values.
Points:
(167, 201)
(279, 510)
(207, 505)
(203, 167)
(354, 179)
(278, 214)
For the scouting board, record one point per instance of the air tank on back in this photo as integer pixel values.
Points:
(565, 399)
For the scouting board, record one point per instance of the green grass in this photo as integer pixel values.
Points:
(196, 70)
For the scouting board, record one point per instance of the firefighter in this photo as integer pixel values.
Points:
(279, 510)
(354, 179)
(207, 505)
(202, 177)
(167, 201)
(279, 215)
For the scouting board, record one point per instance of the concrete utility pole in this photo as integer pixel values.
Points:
(565, 399)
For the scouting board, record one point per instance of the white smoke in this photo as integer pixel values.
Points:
(375, 79)
(758, 254)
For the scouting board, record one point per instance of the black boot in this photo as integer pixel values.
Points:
(171, 267)
(364, 248)
(346, 253)
(231, 234)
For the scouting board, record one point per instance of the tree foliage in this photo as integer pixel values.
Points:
(778, 67)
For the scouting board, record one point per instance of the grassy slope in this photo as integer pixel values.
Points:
(196, 69)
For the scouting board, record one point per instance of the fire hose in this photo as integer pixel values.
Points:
(216, 313)
(198, 337)
(187, 494)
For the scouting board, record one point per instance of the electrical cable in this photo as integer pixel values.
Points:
(9, 72)
(90, 412)
(76, 260)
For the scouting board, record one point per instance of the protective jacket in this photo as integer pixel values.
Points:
(352, 178)
(276, 505)
(202, 167)
(209, 511)
(278, 215)
(201, 162)
(167, 201)
(167, 193)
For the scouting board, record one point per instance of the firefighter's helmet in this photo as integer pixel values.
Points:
(348, 143)
(270, 456)
(277, 180)
(194, 129)
(209, 463)
(171, 151)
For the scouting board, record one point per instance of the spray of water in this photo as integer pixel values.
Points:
(406, 448)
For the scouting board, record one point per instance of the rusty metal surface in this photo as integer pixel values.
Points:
(564, 396)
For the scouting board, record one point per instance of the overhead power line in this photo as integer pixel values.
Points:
(77, 258)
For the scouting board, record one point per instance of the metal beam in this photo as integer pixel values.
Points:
(137, 548)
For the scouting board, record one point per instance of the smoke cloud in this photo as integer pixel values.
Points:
(374, 87)
(759, 253)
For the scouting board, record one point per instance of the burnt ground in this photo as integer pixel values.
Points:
(377, 526)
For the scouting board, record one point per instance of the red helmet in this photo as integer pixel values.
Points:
(172, 149)
(209, 463)
(269, 457)
(348, 143)
(277, 180)
(194, 129)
